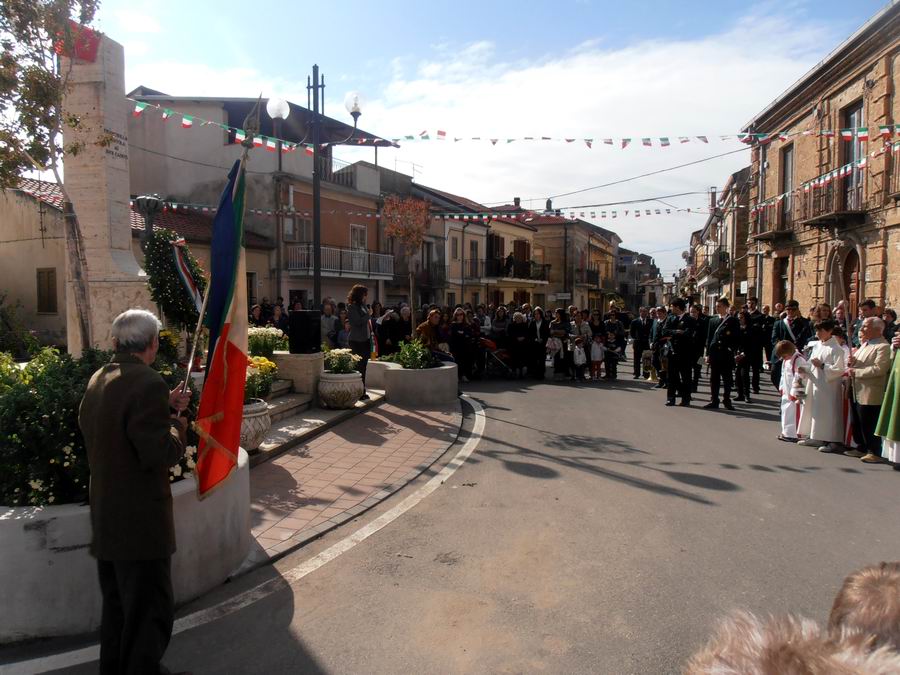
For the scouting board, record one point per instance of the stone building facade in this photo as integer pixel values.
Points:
(824, 179)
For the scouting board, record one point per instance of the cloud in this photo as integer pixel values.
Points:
(662, 87)
(708, 86)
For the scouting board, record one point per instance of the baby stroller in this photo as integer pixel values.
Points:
(497, 362)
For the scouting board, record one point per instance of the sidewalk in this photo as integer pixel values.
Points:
(327, 481)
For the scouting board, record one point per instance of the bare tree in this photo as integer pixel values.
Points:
(406, 220)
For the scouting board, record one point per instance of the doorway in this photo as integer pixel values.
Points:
(850, 281)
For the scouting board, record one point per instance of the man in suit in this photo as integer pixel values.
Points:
(678, 332)
(656, 343)
(793, 328)
(133, 434)
(866, 310)
(869, 370)
(767, 323)
(721, 343)
(640, 338)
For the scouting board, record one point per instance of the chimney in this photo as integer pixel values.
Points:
(712, 199)
(517, 202)
(549, 206)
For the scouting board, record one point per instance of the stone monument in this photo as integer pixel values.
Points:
(97, 181)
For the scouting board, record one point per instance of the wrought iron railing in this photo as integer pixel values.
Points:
(339, 261)
(505, 268)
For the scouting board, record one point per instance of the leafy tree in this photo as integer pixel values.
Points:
(34, 79)
(406, 220)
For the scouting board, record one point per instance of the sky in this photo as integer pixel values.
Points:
(501, 69)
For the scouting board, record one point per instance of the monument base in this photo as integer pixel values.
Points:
(304, 370)
(109, 298)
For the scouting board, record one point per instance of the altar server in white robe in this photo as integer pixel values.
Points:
(794, 370)
(821, 420)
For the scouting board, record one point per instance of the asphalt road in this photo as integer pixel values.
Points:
(592, 531)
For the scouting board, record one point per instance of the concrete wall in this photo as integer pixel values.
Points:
(51, 583)
(23, 250)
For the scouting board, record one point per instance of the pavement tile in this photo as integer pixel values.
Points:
(334, 477)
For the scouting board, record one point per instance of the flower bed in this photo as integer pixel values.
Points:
(266, 341)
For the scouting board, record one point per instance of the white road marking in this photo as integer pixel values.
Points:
(288, 578)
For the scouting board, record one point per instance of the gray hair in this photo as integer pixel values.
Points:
(134, 330)
(518, 317)
(877, 322)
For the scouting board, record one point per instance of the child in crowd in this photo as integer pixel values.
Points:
(613, 354)
(792, 388)
(579, 359)
(598, 354)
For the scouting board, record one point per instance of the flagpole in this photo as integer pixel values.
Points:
(190, 365)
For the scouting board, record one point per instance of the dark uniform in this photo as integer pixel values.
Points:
(640, 336)
(680, 331)
(656, 345)
(699, 346)
(767, 323)
(721, 344)
(757, 338)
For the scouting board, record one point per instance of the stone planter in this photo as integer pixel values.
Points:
(421, 388)
(340, 391)
(255, 424)
(50, 580)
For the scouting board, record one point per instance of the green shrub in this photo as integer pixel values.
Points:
(166, 287)
(413, 355)
(14, 337)
(42, 455)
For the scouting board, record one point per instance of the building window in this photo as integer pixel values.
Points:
(251, 289)
(46, 291)
(540, 299)
(852, 151)
(763, 165)
(451, 300)
(476, 299)
(297, 229)
(358, 237)
(454, 248)
(787, 181)
(782, 280)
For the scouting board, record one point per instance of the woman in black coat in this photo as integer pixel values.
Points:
(537, 336)
(460, 339)
(517, 343)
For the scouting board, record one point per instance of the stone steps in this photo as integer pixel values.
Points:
(279, 388)
(288, 405)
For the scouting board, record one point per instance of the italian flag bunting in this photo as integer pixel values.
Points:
(271, 146)
(664, 141)
(625, 142)
(862, 133)
(847, 134)
(703, 139)
(138, 108)
(646, 142)
(240, 136)
(167, 113)
(187, 121)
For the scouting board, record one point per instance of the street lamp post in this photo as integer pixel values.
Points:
(148, 206)
(279, 110)
(316, 89)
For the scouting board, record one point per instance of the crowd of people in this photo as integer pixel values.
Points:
(831, 369)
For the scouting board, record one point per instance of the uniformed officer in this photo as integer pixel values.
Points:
(721, 343)
(678, 333)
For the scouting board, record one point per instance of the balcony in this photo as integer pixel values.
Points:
(525, 270)
(587, 277)
(840, 202)
(434, 276)
(340, 262)
(337, 172)
(774, 221)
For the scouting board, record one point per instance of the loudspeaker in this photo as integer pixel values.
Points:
(305, 332)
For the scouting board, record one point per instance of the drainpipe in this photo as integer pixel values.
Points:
(462, 269)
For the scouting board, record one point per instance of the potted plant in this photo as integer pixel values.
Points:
(265, 341)
(341, 384)
(256, 421)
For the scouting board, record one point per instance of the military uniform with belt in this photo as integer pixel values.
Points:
(679, 331)
(721, 344)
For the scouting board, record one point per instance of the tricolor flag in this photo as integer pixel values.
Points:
(240, 136)
(646, 142)
(589, 142)
(664, 141)
(221, 404)
(442, 135)
(684, 139)
(703, 139)
(885, 130)
(187, 121)
(625, 142)
(424, 135)
(607, 141)
(271, 145)
(847, 134)
(166, 114)
(138, 108)
(258, 141)
(862, 133)
(184, 271)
